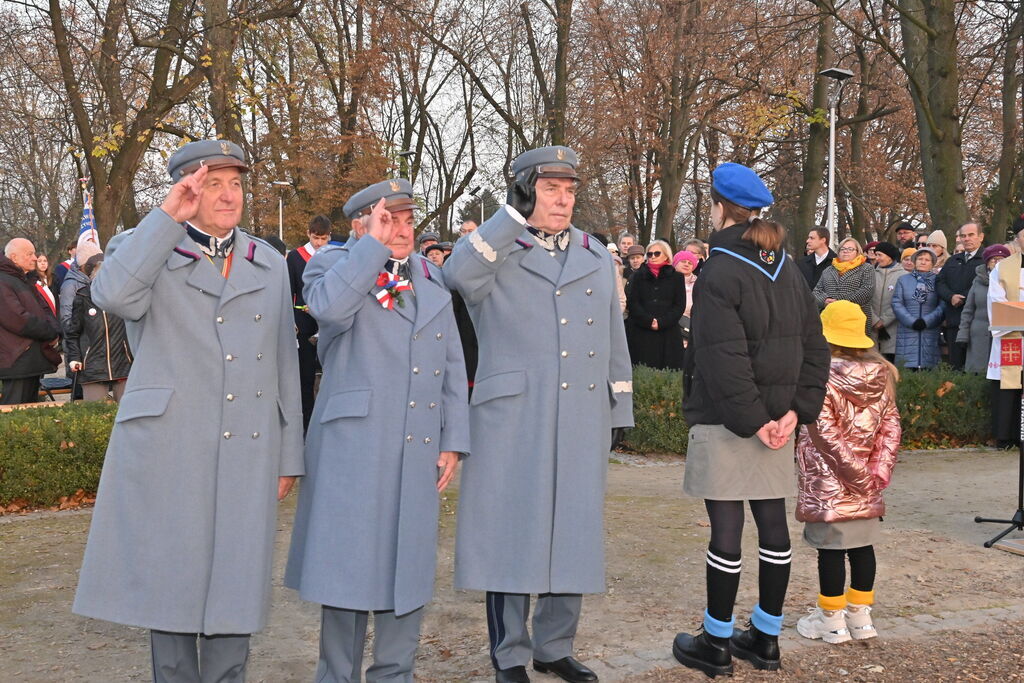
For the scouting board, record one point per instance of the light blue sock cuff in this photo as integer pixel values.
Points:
(766, 623)
(719, 629)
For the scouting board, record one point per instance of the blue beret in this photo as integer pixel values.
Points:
(397, 193)
(210, 153)
(549, 162)
(741, 186)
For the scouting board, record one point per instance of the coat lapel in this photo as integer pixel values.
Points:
(430, 299)
(202, 274)
(245, 276)
(579, 262)
(538, 260)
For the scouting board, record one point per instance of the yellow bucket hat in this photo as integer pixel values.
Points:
(842, 323)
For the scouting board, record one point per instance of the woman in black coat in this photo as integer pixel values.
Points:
(97, 344)
(656, 301)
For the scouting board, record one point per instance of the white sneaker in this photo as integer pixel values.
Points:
(858, 620)
(828, 625)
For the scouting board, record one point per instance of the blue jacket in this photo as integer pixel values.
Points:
(915, 297)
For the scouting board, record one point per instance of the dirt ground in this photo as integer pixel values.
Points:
(947, 608)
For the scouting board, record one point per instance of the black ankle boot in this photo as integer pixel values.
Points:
(704, 652)
(760, 649)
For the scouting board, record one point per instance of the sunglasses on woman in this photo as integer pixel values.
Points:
(653, 254)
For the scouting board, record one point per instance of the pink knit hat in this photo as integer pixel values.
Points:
(685, 256)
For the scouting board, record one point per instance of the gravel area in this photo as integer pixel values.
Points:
(947, 609)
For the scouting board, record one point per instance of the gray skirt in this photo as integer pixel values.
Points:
(853, 533)
(723, 466)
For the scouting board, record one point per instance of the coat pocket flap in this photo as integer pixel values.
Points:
(496, 386)
(350, 403)
(144, 402)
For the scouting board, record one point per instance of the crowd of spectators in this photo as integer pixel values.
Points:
(48, 320)
(925, 304)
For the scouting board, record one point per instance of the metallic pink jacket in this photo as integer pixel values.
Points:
(846, 457)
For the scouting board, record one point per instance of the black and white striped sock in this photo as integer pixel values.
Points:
(723, 580)
(773, 576)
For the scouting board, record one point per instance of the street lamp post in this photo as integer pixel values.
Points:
(280, 184)
(404, 165)
(839, 75)
(474, 193)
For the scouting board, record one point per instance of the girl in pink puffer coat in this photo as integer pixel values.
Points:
(845, 460)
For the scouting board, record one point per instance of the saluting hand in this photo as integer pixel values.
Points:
(182, 201)
(379, 224)
(448, 463)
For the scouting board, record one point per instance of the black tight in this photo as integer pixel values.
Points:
(723, 562)
(832, 570)
(727, 523)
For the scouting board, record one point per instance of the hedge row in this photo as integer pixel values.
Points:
(53, 452)
(940, 408)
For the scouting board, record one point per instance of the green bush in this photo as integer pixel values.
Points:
(939, 408)
(942, 408)
(52, 452)
(657, 412)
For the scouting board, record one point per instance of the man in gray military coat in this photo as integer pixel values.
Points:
(208, 436)
(553, 380)
(387, 431)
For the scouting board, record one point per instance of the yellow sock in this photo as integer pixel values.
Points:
(831, 602)
(857, 597)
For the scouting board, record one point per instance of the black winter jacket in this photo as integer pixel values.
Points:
(956, 277)
(28, 328)
(812, 270)
(661, 298)
(98, 340)
(756, 345)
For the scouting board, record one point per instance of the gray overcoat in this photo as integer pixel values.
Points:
(554, 378)
(392, 397)
(973, 329)
(183, 529)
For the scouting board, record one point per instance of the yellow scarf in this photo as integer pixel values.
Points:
(845, 266)
(1009, 277)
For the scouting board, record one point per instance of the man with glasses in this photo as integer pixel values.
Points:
(905, 236)
(954, 281)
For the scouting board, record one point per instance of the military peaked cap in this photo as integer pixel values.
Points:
(210, 153)
(396, 192)
(546, 162)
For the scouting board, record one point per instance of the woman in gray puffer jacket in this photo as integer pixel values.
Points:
(974, 332)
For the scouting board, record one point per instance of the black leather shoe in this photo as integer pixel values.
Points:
(566, 668)
(514, 674)
(703, 652)
(760, 649)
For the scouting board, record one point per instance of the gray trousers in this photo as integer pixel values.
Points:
(198, 658)
(343, 635)
(554, 627)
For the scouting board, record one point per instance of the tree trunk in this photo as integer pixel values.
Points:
(221, 75)
(930, 52)
(861, 217)
(817, 138)
(672, 162)
(1007, 199)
